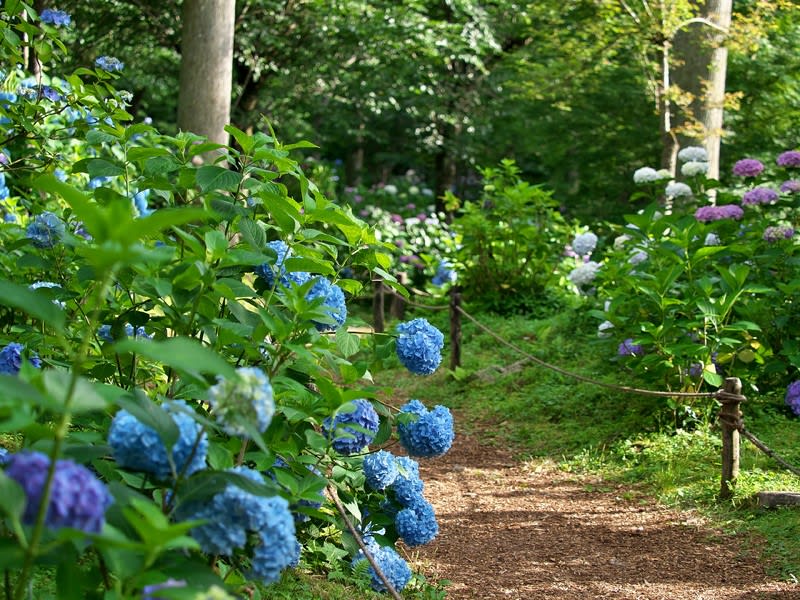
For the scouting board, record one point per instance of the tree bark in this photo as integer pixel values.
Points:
(700, 69)
(204, 100)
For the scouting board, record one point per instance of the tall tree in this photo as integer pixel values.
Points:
(204, 99)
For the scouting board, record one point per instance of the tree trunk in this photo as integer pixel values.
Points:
(700, 66)
(204, 100)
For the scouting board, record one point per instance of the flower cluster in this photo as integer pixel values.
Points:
(789, 159)
(11, 359)
(243, 402)
(46, 230)
(759, 195)
(77, 498)
(778, 232)
(628, 348)
(791, 186)
(678, 189)
(707, 214)
(748, 167)
(137, 446)
(415, 520)
(109, 63)
(272, 272)
(419, 346)
(354, 429)
(793, 397)
(104, 332)
(693, 154)
(431, 434)
(584, 274)
(55, 17)
(233, 513)
(333, 303)
(444, 274)
(584, 243)
(645, 175)
(380, 469)
(391, 564)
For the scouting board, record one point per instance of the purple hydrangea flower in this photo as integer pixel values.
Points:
(46, 230)
(56, 17)
(791, 186)
(11, 359)
(431, 434)
(793, 397)
(778, 232)
(748, 167)
(789, 159)
(759, 195)
(419, 346)
(628, 348)
(77, 498)
(353, 430)
(706, 214)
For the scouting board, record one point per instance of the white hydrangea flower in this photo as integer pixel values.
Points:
(678, 189)
(712, 239)
(645, 175)
(584, 243)
(694, 167)
(584, 273)
(638, 257)
(693, 154)
(602, 329)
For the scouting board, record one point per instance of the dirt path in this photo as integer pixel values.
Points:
(512, 531)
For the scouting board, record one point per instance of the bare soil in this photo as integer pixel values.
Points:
(516, 530)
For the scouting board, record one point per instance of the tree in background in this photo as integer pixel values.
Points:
(204, 100)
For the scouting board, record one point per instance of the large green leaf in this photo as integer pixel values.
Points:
(212, 177)
(34, 304)
(182, 353)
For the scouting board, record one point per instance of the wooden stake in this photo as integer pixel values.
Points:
(377, 306)
(455, 328)
(729, 416)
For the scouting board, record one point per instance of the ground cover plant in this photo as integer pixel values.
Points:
(184, 413)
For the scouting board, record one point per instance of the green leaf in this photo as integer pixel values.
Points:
(100, 167)
(216, 244)
(84, 397)
(347, 343)
(252, 233)
(212, 177)
(36, 305)
(182, 353)
(12, 497)
(245, 141)
(312, 265)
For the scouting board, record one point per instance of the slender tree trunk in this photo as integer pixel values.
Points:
(204, 101)
(719, 13)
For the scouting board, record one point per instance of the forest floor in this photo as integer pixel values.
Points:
(527, 530)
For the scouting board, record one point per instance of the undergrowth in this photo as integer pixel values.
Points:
(625, 438)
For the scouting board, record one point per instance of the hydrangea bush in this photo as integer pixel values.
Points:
(171, 331)
(713, 288)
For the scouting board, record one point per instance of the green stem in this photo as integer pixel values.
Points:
(58, 441)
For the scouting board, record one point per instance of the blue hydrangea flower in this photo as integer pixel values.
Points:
(4, 457)
(96, 182)
(272, 272)
(431, 434)
(793, 397)
(584, 243)
(56, 17)
(149, 590)
(138, 447)
(140, 203)
(333, 304)
(109, 63)
(46, 230)
(104, 332)
(407, 486)
(279, 547)
(353, 430)
(77, 498)
(11, 359)
(393, 566)
(380, 469)
(417, 524)
(444, 274)
(419, 346)
(245, 399)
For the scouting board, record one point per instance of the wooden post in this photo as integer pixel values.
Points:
(729, 415)
(455, 328)
(377, 306)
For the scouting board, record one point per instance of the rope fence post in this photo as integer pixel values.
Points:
(377, 305)
(729, 418)
(455, 328)
(397, 304)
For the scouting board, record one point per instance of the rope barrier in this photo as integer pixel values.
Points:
(613, 386)
(391, 292)
(738, 425)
